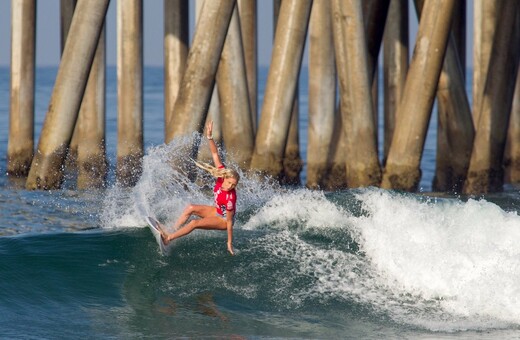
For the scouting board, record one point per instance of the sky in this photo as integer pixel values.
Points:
(48, 32)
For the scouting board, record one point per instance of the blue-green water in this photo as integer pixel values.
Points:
(352, 264)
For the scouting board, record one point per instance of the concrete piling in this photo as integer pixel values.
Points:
(248, 26)
(335, 178)
(86, 151)
(512, 152)
(21, 111)
(91, 150)
(485, 173)
(280, 90)
(395, 66)
(196, 89)
(176, 46)
(455, 131)
(237, 125)
(375, 13)
(484, 27)
(402, 169)
(130, 148)
(362, 166)
(322, 94)
(71, 80)
(292, 162)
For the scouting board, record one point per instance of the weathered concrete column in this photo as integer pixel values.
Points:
(87, 146)
(395, 65)
(374, 14)
(237, 125)
(67, 94)
(66, 13)
(484, 27)
(336, 176)
(176, 45)
(403, 163)
(512, 156)
(485, 172)
(283, 74)
(374, 18)
(204, 153)
(459, 32)
(21, 111)
(194, 95)
(130, 148)
(92, 162)
(292, 162)
(355, 90)
(213, 114)
(248, 21)
(455, 131)
(322, 94)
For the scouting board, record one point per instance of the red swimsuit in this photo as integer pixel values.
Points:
(224, 200)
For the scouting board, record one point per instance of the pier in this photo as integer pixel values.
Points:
(350, 44)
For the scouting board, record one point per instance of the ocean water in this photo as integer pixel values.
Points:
(351, 264)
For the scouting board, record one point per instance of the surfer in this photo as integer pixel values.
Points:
(221, 216)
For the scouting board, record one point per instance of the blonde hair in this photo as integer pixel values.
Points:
(218, 173)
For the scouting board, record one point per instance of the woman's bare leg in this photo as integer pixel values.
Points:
(209, 223)
(192, 209)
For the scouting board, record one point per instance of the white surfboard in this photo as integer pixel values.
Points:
(156, 231)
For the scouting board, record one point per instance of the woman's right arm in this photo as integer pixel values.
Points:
(212, 146)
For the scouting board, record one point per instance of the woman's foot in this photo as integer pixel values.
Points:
(164, 235)
(164, 238)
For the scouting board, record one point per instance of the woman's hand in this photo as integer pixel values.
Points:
(230, 248)
(209, 130)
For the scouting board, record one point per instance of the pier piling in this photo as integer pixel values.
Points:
(71, 80)
(193, 99)
(237, 125)
(21, 111)
(248, 26)
(280, 89)
(357, 110)
(322, 93)
(176, 46)
(402, 169)
(91, 149)
(395, 66)
(130, 148)
(485, 173)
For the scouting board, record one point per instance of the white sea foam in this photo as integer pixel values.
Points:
(464, 256)
(439, 264)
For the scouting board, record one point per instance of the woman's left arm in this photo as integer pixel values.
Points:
(229, 224)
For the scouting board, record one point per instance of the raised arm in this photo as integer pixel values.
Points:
(212, 145)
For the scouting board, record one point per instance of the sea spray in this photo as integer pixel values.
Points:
(164, 190)
(456, 264)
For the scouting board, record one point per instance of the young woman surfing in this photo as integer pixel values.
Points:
(218, 217)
